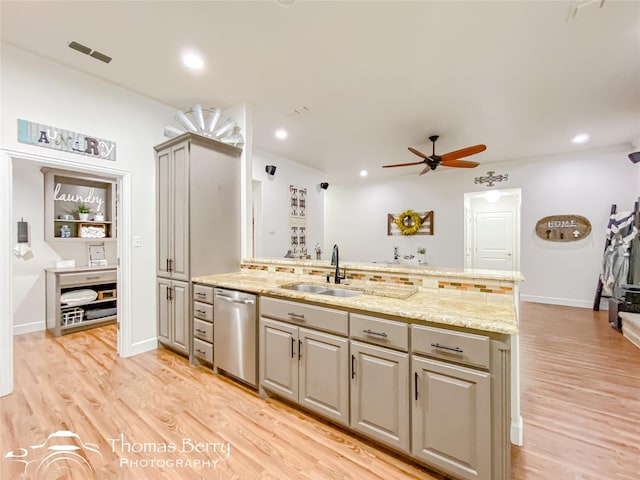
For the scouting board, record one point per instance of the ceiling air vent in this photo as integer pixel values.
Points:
(100, 56)
(87, 51)
(79, 47)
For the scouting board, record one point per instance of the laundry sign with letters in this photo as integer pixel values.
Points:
(65, 140)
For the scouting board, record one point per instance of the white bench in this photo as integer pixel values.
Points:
(631, 327)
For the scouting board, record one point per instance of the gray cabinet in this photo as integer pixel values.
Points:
(62, 317)
(173, 314)
(451, 423)
(173, 211)
(305, 366)
(380, 394)
(453, 417)
(323, 375)
(203, 324)
(198, 219)
(380, 379)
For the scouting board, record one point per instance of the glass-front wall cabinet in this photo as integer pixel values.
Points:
(79, 207)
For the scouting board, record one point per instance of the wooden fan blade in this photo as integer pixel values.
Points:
(464, 152)
(402, 164)
(459, 163)
(427, 169)
(417, 152)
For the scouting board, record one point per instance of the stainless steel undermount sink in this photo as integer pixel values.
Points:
(341, 292)
(321, 290)
(306, 288)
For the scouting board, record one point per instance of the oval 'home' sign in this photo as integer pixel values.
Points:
(563, 228)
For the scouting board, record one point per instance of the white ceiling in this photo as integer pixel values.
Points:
(377, 76)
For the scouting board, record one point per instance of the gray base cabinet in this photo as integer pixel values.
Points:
(451, 422)
(380, 394)
(173, 314)
(439, 395)
(323, 375)
(307, 367)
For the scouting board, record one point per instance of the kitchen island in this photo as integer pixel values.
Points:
(418, 359)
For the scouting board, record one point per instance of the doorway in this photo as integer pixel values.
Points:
(8, 160)
(492, 229)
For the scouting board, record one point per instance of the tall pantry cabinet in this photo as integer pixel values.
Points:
(198, 225)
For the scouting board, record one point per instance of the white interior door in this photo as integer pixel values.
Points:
(493, 240)
(492, 229)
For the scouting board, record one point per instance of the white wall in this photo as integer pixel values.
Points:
(35, 89)
(564, 273)
(274, 201)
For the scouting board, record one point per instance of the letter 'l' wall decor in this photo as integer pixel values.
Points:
(64, 140)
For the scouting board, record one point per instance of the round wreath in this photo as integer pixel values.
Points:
(415, 222)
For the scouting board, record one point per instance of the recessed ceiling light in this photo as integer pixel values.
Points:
(363, 173)
(281, 134)
(193, 60)
(581, 138)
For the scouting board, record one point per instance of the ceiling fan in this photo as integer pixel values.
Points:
(450, 159)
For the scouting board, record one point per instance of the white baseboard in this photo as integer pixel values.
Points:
(567, 302)
(29, 327)
(143, 346)
(517, 431)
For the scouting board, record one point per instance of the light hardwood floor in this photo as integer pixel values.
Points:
(580, 403)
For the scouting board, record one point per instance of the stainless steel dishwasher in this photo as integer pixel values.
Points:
(235, 338)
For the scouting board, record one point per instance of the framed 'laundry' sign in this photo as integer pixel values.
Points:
(65, 140)
(563, 228)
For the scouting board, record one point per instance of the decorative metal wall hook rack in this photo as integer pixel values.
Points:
(491, 178)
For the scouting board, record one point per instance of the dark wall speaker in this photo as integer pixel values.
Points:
(634, 157)
(270, 169)
(324, 185)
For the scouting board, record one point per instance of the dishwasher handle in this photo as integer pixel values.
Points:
(233, 300)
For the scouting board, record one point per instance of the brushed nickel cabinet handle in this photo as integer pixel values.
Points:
(380, 334)
(200, 330)
(296, 315)
(443, 347)
(415, 383)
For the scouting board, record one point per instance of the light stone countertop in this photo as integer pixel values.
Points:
(488, 313)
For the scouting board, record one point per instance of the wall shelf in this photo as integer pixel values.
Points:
(64, 190)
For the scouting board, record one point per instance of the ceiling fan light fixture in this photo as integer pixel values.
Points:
(363, 173)
(281, 134)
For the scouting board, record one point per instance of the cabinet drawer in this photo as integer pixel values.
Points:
(203, 330)
(203, 311)
(302, 314)
(203, 293)
(379, 331)
(451, 345)
(87, 278)
(203, 350)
